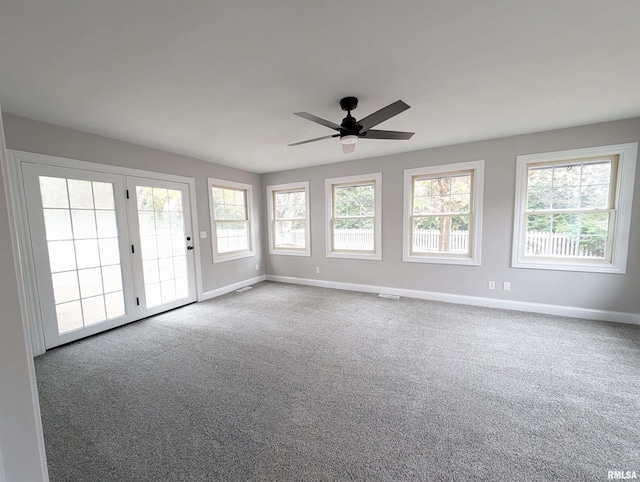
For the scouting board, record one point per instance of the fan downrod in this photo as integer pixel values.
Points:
(348, 103)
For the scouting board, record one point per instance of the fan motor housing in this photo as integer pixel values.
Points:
(348, 103)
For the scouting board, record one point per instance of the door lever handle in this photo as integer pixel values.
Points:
(189, 247)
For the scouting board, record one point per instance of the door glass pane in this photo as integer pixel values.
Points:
(84, 256)
(163, 244)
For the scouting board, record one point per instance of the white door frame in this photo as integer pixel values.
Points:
(18, 195)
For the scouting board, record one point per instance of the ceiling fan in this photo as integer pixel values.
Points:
(351, 130)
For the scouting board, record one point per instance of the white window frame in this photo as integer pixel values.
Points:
(627, 158)
(222, 183)
(475, 212)
(376, 178)
(290, 187)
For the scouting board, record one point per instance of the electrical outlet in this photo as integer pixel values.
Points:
(317, 269)
(257, 267)
(492, 285)
(506, 286)
(203, 234)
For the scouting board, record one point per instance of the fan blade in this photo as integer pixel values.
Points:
(313, 140)
(382, 115)
(347, 148)
(318, 120)
(377, 134)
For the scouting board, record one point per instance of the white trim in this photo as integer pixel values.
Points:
(2, 476)
(307, 224)
(475, 227)
(221, 258)
(559, 310)
(26, 269)
(18, 254)
(232, 287)
(94, 166)
(377, 222)
(628, 154)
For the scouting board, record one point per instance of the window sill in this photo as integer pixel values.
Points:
(221, 258)
(593, 267)
(289, 252)
(368, 256)
(466, 261)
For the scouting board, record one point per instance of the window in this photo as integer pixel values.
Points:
(354, 217)
(443, 213)
(289, 219)
(231, 214)
(573, 209)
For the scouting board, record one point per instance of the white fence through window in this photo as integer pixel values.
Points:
(540, 243)
(429, 240)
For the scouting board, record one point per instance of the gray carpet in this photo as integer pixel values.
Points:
(287, 382)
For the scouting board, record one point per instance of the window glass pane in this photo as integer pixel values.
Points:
(165, 246)
(114, 303)
(87, 253)
(149, 246)
(179, 245)
(229, 204)
(151, 271)
(175, 200)
(177, 222)
(80, 194)
(146, 220)
(62, 256)
(57, 224)
(165, 266)
(567, 235)
(65, 286)
(168, 291)
(182, 288)
(596, 172)
(54, 192)
(112, 278)
(442, 195)
(103, 195)
(232, 236)
(354, 200)
(290, 205)
(144, 198)
(107, 227)
(290, 234)
(441, 234)
(109, 251)
(565, 197)
(69, 316)
(93, 310)
(160, 199)
(90, 282)
(84, 224)
(152, 295)
(180, 266)
(353, 234)
(594, 196)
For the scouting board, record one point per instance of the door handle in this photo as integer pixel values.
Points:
(189, 247)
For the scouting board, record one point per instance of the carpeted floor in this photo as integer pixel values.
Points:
(288, 382)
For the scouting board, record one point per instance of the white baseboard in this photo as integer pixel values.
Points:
(570, 311)
(207, 295)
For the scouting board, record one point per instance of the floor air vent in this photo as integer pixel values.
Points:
(387, 295)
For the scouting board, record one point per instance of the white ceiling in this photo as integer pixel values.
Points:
(220, 80)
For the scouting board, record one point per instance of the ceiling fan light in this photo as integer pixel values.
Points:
(350, 139)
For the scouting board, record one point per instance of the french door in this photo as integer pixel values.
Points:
(108, 249)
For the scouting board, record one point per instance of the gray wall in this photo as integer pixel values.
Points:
(32, 136)
(614, 292)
